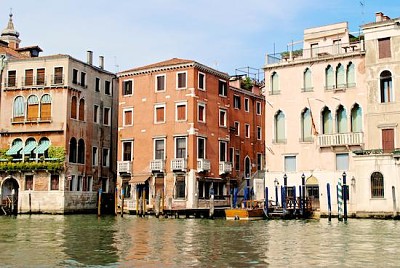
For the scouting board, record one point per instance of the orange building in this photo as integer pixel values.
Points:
(177, 140)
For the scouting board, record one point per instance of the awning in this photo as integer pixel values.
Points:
(43, 146)
(139, 179)
(15, 148)
(29, 147)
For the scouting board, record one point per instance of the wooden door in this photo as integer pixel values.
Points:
(388, 140)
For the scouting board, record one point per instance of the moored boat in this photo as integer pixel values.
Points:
(250, 210)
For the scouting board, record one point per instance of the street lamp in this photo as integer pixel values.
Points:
(284, 180)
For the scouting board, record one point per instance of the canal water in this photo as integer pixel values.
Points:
(88, 241)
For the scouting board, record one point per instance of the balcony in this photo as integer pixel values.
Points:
(341, 139)
(203, 165)
(178, 164)
(57, 80)
(124, 167)
(10, 82)
(157, 165)
(225, 167)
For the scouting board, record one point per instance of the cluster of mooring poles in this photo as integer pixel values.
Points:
(342, 190)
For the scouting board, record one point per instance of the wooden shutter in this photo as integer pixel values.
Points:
(28, 77)
(160, 114)
(58, 75)
(160, 83)
(40, 74)
(201, 113)
(384, 48)
(181, 112)
(128, 118)
(181, 80)
(73, 107)
(82, 110)
(12, 78)
(387, 140)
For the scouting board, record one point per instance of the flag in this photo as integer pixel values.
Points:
(313, 127)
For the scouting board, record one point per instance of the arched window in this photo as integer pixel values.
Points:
(274, 83)
(74, 104)
(72, 150)
(326, 121)
(329, 78)
(307, 80)
(340, 76)
(15, 149)
(350, 75)
(280, 127)
(306, 134)
(45, 107)
(386, 88)
(81, 151)
(30, 145)
(18, 109)
(42, 147)
(377, 186)
(341, 120)
(82, 109)
(33, 107)
(356, 118)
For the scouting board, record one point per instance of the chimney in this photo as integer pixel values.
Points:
(378, 16)
(89, 57)
(101, 62)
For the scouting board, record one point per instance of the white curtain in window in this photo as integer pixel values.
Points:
(290, 163)
(342, 162)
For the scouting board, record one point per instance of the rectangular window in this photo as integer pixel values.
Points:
(259, 133)
(247, 130)
(246, 105)
(12, 78)
(58, 75)
(95, 113)
(201, 112)
(232, 155)
(54, 182)
(97, 86)
(314, 50)
(237, 160)
(223, 151)
(180, 112)
(259, 161)
(159, 149)
(201, 148)
(237, 128)
(127, 147)
(106, 157)
(384, 48)
(105, 184)
(107, 87)
(222, 118)
(258, 108)
(180, 147)
(28, 77)
(74, 76)
(202, 81)
(388, 140)
(106, 116)
(160, 82)
(159, 114)
(342, 162)
(83, 79)
(222, 90)
(128, 117)
(181, 80)
(127, 87)
(236, 102)
(79, 184)
(40, 76)
(95, 156)
(290, 163)
(28, 182)
(180, 187)
(90, 183)
(72, 183)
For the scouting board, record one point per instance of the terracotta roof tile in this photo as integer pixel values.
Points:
(173, 61)
(11, 52)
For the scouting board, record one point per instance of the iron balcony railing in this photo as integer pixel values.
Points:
(340, 139)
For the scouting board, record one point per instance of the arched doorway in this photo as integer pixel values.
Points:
(247, 167)
(312, 189)
(9, 194)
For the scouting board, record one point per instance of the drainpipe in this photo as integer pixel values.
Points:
(3, 61)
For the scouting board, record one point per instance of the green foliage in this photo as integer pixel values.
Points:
(28, 166)
(56, 152)
(246, 83)
(295, 53)
(4, 156)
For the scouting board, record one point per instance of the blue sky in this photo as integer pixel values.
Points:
(222, 34)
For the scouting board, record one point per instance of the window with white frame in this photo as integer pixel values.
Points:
(127, 150)
(106, 157)
(89, 183)
(259, 133)
(247, 130)
(180, 147)
(180, 111)
(258, 108)
(159, 149)
(95, 113)
(290, 163)
(127, 117)
(127, 87)
(106, 116)
(386, 89)
(342, 162)
(54, 182)
(237, 128)
(95, 156)
(223, 151)
(222, 118)
(246, 105)
(159, 113)
(222, 89)
(201, 148)
(201, 112)
(181, 80)
(202, 81)
(160, 82)
(236, 102)
(237, 159)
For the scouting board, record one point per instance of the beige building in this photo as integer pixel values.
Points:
(57, 130)
(315, 113)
